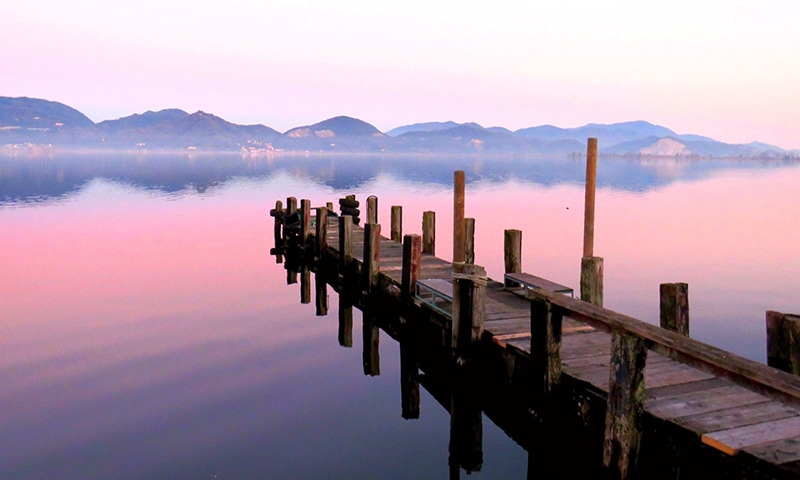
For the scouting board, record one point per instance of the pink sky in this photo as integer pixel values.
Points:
(729, 70)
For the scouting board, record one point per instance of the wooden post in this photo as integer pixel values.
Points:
(278, 231)
(291, 205)
(397, 223)
(371, 265)
(345, 248)
(429, 232)
(592, 280)
(412, 263)
(329, 206)
(469, 240)
(512, 248)
(321, 291)
(459, 183)
(371, 343)
(372, 209)
(546, 322)
(322, 231)
(345, 322)
(305, 285)
(626, 394)
(783, 341)
(674, 309)
(349, 206)
(305, 224)
(469, 311)
(591, 184)
(409, 381)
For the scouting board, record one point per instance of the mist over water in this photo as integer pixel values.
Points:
(147, 333)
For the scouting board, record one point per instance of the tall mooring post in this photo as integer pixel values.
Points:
(783, 341)
(459, 242)
(591, 266)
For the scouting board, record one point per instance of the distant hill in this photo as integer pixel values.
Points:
(29, 121)
(24, 112)
(421, 127)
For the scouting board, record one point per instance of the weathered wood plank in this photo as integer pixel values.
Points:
(784, 452)
(737, 416)
(703, 401)
(733, 440)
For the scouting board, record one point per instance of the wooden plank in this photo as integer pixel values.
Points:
(784, 452)
(733, 440)
(737, 416)
(703, 401)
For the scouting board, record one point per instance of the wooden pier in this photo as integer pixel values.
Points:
(558, 373)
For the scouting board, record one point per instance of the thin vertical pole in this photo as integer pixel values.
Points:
(429, 232)
(459, 184)
(591, 183)
(397, 223)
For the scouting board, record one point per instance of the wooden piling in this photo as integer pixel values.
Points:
(591, 185)
(512, 252)
(626, 395)
(546, 322)
(321, 291)
(371, 264)
(397, 223)
(783, 341)
(305, 224)
(329, 206)
(345, 322)
(469, 240)
(322, 231)
(429, 232)
(305, 285)
(412, 263)
(469, 311)
(371, 344)
(372, 209)
(345, 248)
(278, 231)
(674, 307)
(291, 205)
(592, 280)
(459, 184)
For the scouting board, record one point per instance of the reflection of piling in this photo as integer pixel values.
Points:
(466, 426)
(321, 291)
(674, 309)
(783, 341)
(345, 322)
(429, 232)
(371, 344)
(409, 379)
(305, 285)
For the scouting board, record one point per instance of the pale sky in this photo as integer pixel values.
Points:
(726, 69)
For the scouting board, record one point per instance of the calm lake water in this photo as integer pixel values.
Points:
(146, 332)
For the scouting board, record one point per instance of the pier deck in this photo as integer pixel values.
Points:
(726, 402)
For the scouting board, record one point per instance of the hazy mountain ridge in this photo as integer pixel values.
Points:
(25, 121)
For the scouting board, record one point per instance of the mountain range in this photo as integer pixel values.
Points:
(27, 122)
